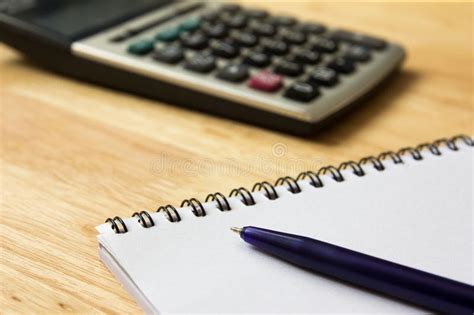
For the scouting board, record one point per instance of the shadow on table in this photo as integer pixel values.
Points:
(370, 106)
(342, 127)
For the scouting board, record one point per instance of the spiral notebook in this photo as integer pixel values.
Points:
(413, 207)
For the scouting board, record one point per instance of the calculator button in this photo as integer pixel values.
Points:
(311, 28)
(357, 53)
(325, 45)
(235, 21)
(194, 40)
(289, 68)
(218, 30)
(211, 16)
(306, 56)
(224, 49)
(266, 81)
(141, 47)
(244, 39)
(292, 37)
(170, 54)
(302, 92)
(233, 73)
(255, 13)
(358, 39)
(275, 47)
(323, 76)
(262, 29)
(190, 25)
(257, 59)
(168, 35)
(342, 65)
(282, 20)
(200, 63)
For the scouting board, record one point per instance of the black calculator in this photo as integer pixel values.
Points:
(244, 63)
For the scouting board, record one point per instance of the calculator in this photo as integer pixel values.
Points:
(243, 63)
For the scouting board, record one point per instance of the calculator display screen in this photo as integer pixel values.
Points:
(77, 18)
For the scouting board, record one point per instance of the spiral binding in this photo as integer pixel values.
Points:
(245, 195)
(171, 213)
(269, 191)
(144, 218)
(196, 205)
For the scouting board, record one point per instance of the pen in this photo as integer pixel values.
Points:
(409, 284)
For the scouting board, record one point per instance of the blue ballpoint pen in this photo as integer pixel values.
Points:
(415, 286)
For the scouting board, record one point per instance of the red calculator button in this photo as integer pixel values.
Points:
(266, 81)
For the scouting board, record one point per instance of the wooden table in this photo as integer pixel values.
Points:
(74, 154)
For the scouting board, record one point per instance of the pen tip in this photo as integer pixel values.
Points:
(236, 230)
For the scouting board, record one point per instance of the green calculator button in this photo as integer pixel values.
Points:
(168, 35)
(141, 47)
(190, 25)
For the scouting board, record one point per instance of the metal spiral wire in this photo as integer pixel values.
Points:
(314, 178)
(466, 139)
(414, 152)
(117, 225)
(433, 148)
(290, 182)
(376, 162)
(335, 173)
(396, 158)
(170, 212)
(196, 205)
(356, 168)
(245, 195)
(220, 199)
(144, 218)
(269, 189)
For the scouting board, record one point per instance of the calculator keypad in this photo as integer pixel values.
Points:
(141, 47)
(225, 49)
(200, 62)
(266, 81)
(342, 65)
(171, 54)
(271, 53)
(233, 73)
(289, 68)
(323, 76)
(257, 59)
(196, 40)
(215, 30)
(302, 91)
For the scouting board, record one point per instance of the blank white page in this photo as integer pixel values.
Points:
(419, 213)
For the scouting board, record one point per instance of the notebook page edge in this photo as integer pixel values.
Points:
(125, 281)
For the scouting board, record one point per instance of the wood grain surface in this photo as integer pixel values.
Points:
(74, 154)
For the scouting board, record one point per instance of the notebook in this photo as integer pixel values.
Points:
(413, 206)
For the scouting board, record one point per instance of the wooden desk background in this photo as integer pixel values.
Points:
(74, 154)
